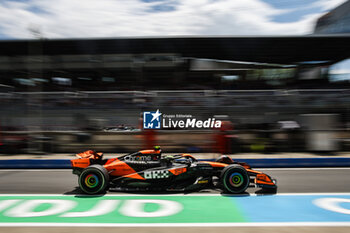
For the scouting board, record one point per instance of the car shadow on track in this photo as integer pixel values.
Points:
(78, 193)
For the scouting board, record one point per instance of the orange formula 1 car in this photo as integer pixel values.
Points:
(148, 170)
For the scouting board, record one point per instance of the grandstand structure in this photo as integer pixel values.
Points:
(239, 76)
(336, 21)
(216, 63)
(61, 88)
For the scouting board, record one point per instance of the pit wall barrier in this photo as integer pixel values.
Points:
(177, 141)
(255, 163)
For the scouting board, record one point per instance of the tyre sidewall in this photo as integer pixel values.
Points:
(99, 172)
(226, 176)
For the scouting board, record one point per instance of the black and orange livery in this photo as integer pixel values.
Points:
(150, 170)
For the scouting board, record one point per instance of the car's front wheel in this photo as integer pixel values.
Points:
(94, 179)
(234, 179)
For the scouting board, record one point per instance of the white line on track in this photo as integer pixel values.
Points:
(233, 224)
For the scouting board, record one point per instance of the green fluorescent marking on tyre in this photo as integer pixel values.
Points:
(90, 189)
(236, 179)
(91, 181)
(194, 209)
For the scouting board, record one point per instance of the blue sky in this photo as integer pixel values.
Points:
(23, 19)
(124, 18)
(297, 9)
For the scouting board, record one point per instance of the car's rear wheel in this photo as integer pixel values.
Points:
(234, 179)
(94, 179)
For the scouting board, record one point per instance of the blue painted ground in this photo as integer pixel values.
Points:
(261, 163)
(291, 208)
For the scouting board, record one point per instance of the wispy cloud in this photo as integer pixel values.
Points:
(122, 18)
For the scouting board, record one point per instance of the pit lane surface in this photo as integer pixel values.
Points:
(297, 180)
(325, 180)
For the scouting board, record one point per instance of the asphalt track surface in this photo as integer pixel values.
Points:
(298, 180)
(292, 180)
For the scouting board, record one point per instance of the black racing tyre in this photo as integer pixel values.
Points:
(94, 179)
(234, 179)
